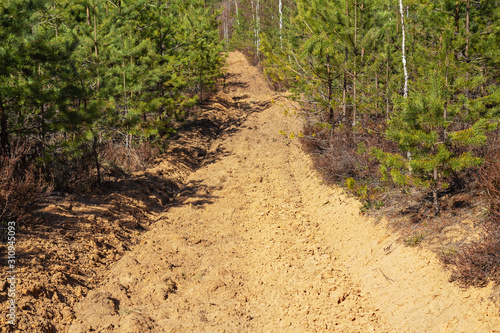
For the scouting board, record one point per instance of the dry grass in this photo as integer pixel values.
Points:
(489, 177)
(478, 262)
(343, 153)
(78, 174)
(119, 160)
(22, 186)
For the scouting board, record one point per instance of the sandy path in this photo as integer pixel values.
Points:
(259, 245)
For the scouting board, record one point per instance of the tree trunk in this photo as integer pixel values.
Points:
(346, 53)
(42, 123)
(201, 87)
(387, 109)
(254, 23)
(445, 117)
(281, 23)
(95, 31)
(344, 90)
(467, 42)
(4, 135)
(403, 56)
(257, 16)
(467, 28)
(124, 78)
(88, 16)
(397, 26)
(355, 54)
(96, 159)
(457, 26)
(330, 90)
(435, 199)
(225, 19)
(96, 52)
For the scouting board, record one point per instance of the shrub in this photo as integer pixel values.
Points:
(489, 176)
(341, 153)
(118, 159)
(71, 172)
(479, 262)
(21, 184)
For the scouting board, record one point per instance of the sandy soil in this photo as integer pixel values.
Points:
(251, 241)
(257, 244)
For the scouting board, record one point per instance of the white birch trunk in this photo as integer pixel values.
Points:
(258, 26)
(254, 23)
(403, 46)
(253, 15)
(403, 56)
(226, 33)
(225, 16)
(355, 79)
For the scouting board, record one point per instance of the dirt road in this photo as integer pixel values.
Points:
(255, 243)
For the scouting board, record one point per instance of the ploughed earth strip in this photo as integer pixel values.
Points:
(252, 241)
(256, 243)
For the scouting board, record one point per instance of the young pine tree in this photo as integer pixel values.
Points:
(420, 126)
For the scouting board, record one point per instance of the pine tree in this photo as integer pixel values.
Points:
(204, 52)
(36, 83)
(420, 126)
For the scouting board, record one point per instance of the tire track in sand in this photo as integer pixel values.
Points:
(258, 245)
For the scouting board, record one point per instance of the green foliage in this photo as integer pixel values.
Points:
(415, 239)
(76, 74)
(350, 183)
(421, 128)
(363, 191)
(371, 204)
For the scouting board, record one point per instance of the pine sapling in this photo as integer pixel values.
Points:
(421, 127)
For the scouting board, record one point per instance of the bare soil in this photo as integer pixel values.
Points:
(242, 236)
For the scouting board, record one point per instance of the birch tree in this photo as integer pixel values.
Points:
(257, 27)
(403, 48)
